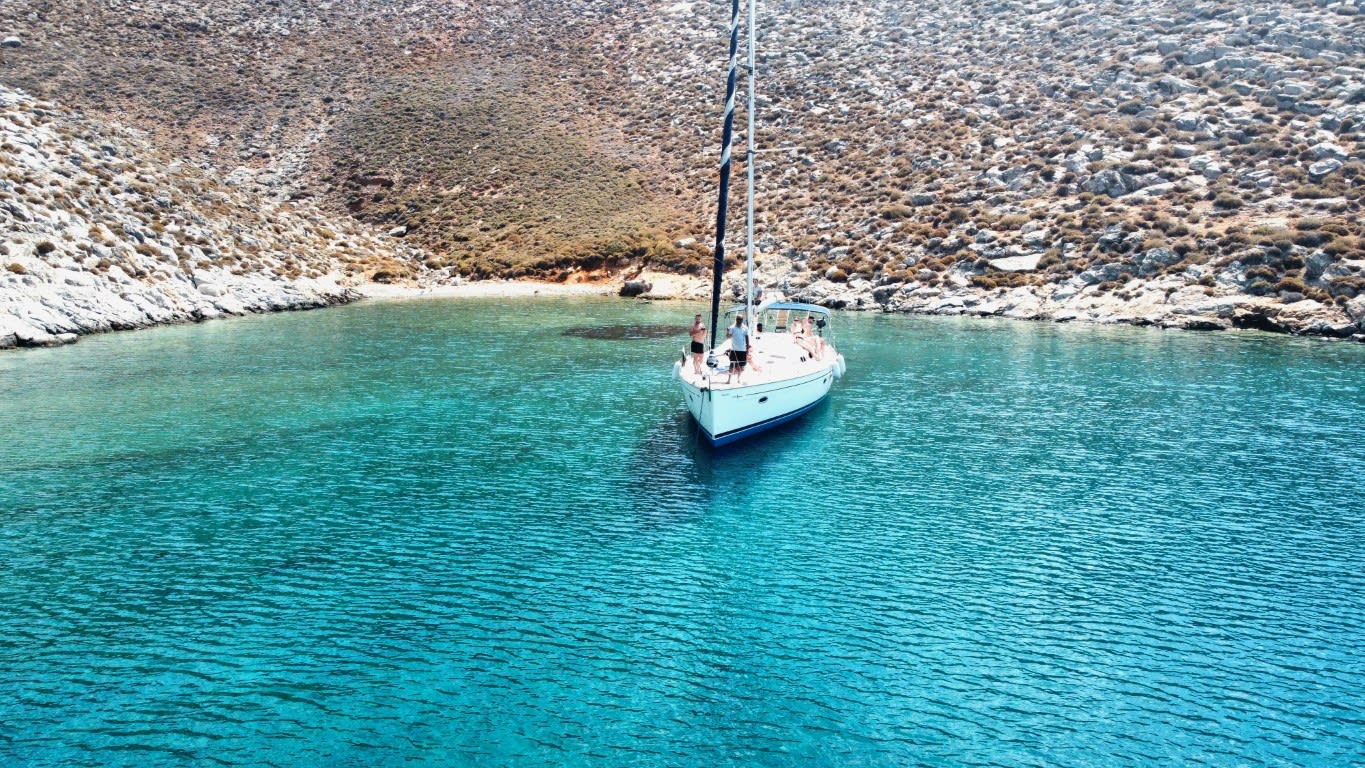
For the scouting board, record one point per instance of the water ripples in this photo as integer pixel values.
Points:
(998, 544)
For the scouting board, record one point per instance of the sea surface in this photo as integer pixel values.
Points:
(484, 533)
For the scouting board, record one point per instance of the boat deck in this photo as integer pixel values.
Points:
(772, 357)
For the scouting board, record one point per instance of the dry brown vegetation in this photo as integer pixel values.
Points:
(563, 138)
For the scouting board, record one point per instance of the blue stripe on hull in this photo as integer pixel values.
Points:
(725, 438)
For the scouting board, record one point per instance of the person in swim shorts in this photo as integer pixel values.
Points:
(698, 333)
(739, 349)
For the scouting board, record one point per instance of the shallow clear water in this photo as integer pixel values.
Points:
(447, 533)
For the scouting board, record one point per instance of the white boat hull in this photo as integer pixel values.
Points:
(729, 413)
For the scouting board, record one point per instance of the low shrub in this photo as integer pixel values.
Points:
(1311, 239)
(1291, 284)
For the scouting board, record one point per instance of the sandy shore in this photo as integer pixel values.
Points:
(664, 286)
(485, 289)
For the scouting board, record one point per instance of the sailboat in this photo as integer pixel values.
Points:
(790, 362)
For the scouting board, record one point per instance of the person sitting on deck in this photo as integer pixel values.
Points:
(814, 343)
(739, 349)
(803, 340)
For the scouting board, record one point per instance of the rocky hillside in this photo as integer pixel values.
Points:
(1099, 159)
(486, 133)
(100, 231)
(1073, 146)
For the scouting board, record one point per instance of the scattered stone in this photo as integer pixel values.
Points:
(1026, 263)
(1324, 167)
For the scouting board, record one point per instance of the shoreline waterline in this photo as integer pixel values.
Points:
(1223, 313)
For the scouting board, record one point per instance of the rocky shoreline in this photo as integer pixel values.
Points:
(1168, 302)
(58, 306)
(101, 232)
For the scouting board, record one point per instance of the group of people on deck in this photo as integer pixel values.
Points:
(740, 347)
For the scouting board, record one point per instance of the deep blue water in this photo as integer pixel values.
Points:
(447, 533)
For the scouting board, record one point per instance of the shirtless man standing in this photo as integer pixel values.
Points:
(698, 333)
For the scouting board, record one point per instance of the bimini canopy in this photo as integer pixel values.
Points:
(778, 306)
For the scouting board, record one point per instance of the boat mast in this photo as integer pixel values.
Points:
(749, 165)
(727, 134)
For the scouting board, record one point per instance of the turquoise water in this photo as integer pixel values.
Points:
(446, 533)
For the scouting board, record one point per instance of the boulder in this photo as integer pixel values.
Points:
(633, 288)
(1175, 86)
(1196, 56)
(1104, 273)
(1317, 262)
(1324, 167)
(1205, 324)
(1355, 309)
(1110, 182)
(1114, 239)
(1191, 122)
(1259, 318)
(1026, 263)
(1154, 260)
(1326, 150)
(9, 331)
(11, 42)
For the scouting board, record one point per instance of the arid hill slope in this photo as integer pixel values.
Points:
(101, 231)
(936, 146)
